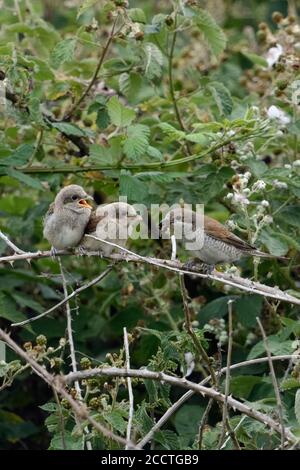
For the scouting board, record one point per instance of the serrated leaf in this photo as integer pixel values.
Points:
(133, 188)
(198, 138)
(23, 178)
(137, 141)
(171, 131)
(130, 84)
(222, 97)
(153, 60)
(68, 128)
(116, 420)
(154, 153)
(212, 32)
(120, 115)
(290, 383)
(63, 52)
(19, 157)
(275, 243)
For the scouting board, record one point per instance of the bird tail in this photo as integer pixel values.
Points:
(261, 254)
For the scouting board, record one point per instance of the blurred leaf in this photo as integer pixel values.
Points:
(212, 32)
(63, 52)
(137, 141)
(119, 115)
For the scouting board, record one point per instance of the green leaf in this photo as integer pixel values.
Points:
(153, 61)
(241, 386)
(255, 59)
(63, 52)
(217, 308)
(276, 346)
(290, 383)
(20, 156)
(130, 85)
(119, 115)
(23, 178)
(247, 308)
(222, 97)
(116, 420)
(86, 4)
(133, 188)
(212, 32)
(289, 215)
(137, 141)
(187, 421)
(275, 243)
(69, 129)
(72, 441)
(171, 131)
(137, 15)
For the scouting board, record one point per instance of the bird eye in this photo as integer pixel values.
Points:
(74, 197)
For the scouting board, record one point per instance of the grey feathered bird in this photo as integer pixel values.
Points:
(113, 222)
(219, 244)
(67, 218)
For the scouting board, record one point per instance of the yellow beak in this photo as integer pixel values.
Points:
(84, 203)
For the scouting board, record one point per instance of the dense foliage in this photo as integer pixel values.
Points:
(189, 101)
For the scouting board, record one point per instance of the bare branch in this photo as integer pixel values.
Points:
(175, 266)
(129, 386)
(58, 383)
(184, 383)
(274, 381)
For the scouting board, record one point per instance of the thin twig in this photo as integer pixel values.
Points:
(67, 298)
(11, 244)
(129, 386)
(58, 383)
(188, 326)
(203, 422)
(225, 419)
(96, 72)
(72, 347)
(274, 381)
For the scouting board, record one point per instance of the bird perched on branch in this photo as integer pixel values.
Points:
(113, 222)
(217, 245)
(67, 218)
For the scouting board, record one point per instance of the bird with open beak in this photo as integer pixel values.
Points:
(67, 218)
(218, 246)
(112, 222)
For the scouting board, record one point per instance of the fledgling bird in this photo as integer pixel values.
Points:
(219, 244)
(113, 222)
(67, 218)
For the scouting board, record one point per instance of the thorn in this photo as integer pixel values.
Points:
(11, 263)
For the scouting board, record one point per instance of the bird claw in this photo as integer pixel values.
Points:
(81, 251)
(53, 253)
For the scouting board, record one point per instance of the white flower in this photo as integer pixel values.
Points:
(296, 163)
(247, 174)
(239, 198)
(273, 55)
(279, 184)
(265, 203)
(259, 185)
(276, 113)
(190, 363)
(288, 166)
(268, 219)
(231, 133)
(229, 196)
(247, 191)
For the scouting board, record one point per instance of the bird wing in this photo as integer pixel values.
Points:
(216, 230)
(49, 212)
(93, 222)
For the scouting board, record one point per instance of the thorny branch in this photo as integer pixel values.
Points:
(58, 383)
